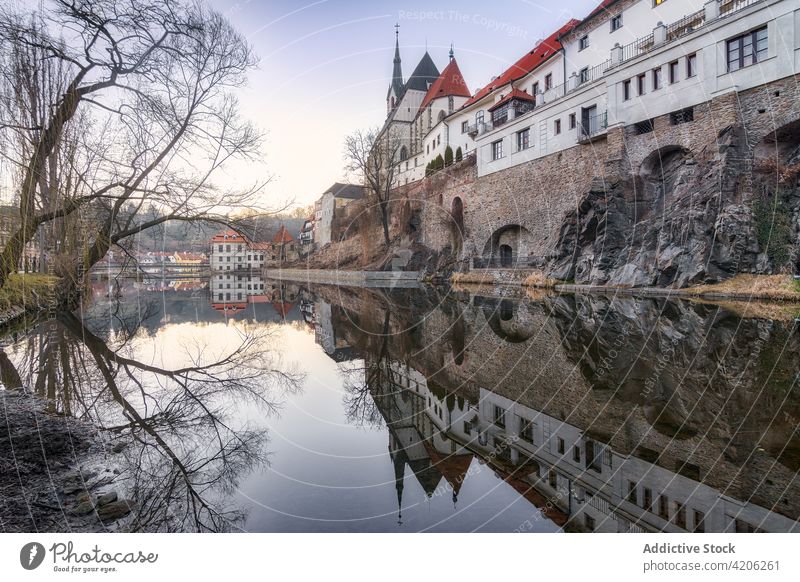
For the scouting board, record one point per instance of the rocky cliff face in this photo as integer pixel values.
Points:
(687, 218)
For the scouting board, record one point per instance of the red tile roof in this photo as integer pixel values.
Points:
(450, 82)
(227, 236)
(600, 7)
(514, 94)
(540, 54)
(282, 236)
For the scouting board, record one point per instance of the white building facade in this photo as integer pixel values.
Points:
(626, 63)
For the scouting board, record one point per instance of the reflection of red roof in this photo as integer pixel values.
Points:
(282, 307)
(228, 236)
(450, 82)
(514, 94)
(540, 54)
(229, 306)
(452, 467)
(282, 236)
(545, 506)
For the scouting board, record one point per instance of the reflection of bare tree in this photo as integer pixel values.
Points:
(360, 380)
(184, 456)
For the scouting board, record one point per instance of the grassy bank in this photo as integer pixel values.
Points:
(772, 287)
(26, 290)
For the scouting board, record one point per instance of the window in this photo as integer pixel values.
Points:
(673, 72)
(647, 499)
(557, 127)
(560, 443)
(553, 479)
(548, 81)
(682, 116)
(497, 149)
(583, 75)
(523, 139)
(640, 83)
(526, 430)
(499, 416)
(632, 492)
(691, 65)
(656, 79)
(663, 507)
(626, 90)
(576, 454)
(583, 42)
(535, 90)
(464, 126)
(616, 22)
(657, 2)
(589, 522)
(699, 521)
(680, 515)
(572, 121)
(747, 49)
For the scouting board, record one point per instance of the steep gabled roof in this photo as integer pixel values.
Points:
(539, 55)
(349, 191)
(423, 76)
(450, 82)
(282, 236)
(513, 94)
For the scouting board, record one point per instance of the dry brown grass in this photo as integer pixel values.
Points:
(539, 279)
(774, 310)
(775, 287)
(472, 279)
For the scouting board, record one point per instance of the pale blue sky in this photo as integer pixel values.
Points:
(326, 64)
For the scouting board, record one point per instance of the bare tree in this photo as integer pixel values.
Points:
(373, 155)
(155, 79)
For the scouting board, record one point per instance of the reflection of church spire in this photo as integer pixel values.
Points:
(399, 476)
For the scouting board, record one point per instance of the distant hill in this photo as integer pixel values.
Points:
(183, 236)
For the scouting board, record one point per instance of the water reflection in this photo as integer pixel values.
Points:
(608, 415)
(436, 410)
(166, 406)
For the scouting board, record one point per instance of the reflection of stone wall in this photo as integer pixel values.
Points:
(690, 387)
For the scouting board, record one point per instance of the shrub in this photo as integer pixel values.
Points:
(459, 154)
(774, 228)
(448, 156)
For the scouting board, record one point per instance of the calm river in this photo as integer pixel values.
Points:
(249, 405)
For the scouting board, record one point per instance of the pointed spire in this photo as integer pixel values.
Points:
(397, 71)
(399, 476)
(452, 55)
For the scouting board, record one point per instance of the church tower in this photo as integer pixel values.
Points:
(395, 92)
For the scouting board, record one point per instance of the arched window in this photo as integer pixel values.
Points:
(403, 153)
(441, 115)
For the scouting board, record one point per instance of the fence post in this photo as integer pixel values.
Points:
(712, 10)
(616, 54)
(659, 34)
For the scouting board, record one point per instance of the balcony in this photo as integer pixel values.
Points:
(593, 127)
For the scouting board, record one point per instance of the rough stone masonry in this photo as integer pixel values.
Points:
(679, 202)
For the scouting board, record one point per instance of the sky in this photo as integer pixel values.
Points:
(325, 67)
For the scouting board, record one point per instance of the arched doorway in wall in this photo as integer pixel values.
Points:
(662, 174)
(509, 246)
(506, 256)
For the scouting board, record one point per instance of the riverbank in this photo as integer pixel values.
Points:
(24, 293)
(347, 278)
(56, 473)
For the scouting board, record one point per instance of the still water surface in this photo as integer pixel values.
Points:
(251, 405)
